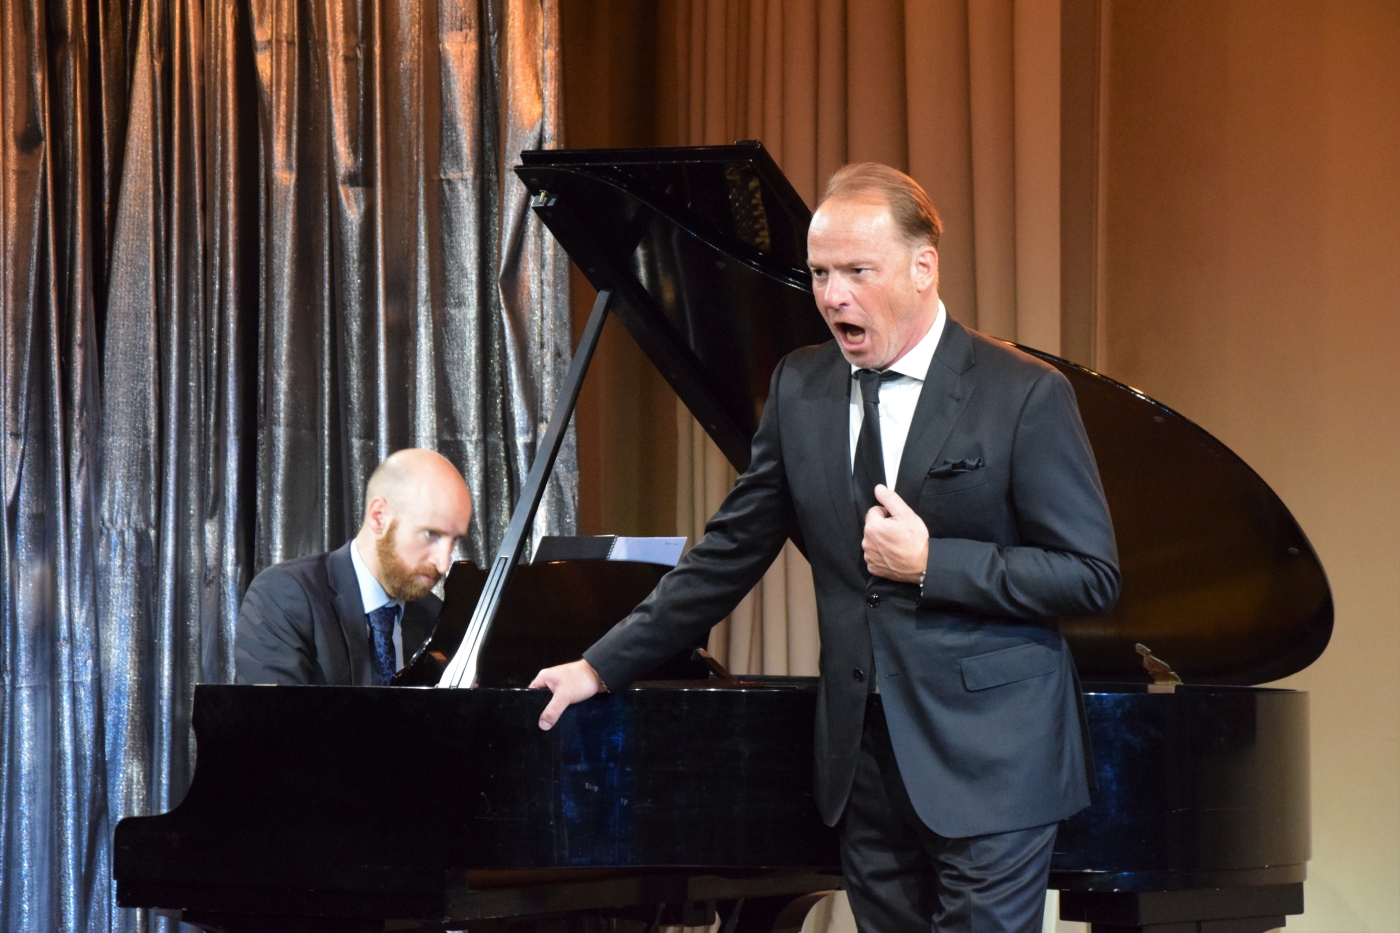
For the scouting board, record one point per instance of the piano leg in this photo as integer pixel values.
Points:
(1209, 910)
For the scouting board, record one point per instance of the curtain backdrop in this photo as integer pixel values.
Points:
(247, 249)
(961, 94)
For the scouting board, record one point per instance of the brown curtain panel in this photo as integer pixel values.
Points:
(247, 249)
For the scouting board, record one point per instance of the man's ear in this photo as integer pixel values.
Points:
(378, 515)
(925, 271)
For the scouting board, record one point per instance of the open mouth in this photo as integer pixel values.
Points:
(851, 333)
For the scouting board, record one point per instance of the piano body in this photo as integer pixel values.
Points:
(332, 808)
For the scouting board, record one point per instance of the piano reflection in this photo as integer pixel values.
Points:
(688, 798)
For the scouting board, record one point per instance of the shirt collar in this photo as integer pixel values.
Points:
(372, 594)
(916, 362)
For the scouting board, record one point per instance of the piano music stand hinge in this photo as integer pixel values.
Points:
(1164, 679)
(716, 668)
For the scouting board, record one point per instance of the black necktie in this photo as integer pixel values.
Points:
(381, 634)
(870, 456)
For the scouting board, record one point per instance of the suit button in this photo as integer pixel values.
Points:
(872, 600)
(858, 675)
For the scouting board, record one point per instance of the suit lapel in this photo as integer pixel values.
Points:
(833, 415)
(349, 608)
(941, 403)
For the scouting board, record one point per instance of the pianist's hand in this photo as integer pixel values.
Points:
(571, 683)
(896, 539)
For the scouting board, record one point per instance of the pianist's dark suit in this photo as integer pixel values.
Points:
(978, 687)
(302, 622)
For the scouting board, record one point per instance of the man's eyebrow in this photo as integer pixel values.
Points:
(843, 263)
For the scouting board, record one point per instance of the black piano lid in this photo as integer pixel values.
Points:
(707, 249)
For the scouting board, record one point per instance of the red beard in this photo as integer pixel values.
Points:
(401, 581)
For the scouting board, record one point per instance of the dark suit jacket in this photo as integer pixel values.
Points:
(979, 688)
(302, 622)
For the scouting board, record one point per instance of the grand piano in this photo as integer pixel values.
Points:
(688, 798)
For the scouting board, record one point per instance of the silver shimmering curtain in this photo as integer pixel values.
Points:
(247, 248)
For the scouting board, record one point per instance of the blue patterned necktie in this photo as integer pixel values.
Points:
(381, 633)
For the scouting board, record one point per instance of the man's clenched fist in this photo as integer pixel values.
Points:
(896, 539)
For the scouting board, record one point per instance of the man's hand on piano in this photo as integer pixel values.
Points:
(570, 683)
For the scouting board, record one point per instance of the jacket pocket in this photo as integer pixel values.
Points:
(952, 482)
(1008, 665)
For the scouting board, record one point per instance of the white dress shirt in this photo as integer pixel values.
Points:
(372, 595)
(898, 398)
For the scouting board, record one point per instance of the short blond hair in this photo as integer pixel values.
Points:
(914, 214)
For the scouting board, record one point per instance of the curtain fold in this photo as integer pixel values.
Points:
(247, 249)
(53, 857)
(401, 260)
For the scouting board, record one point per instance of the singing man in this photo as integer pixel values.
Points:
(952, 510)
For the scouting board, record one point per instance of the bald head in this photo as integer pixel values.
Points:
(414, 474)
(416, 506)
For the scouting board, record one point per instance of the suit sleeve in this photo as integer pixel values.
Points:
(740, 542)
(1066, 562)
(273, 642)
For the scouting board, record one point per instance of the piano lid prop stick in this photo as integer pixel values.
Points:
(461, 671)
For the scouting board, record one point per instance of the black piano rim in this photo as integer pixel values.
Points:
(774, 682)
(790, 682)
(1142, 881)
(1113, 688)
(779, 681)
